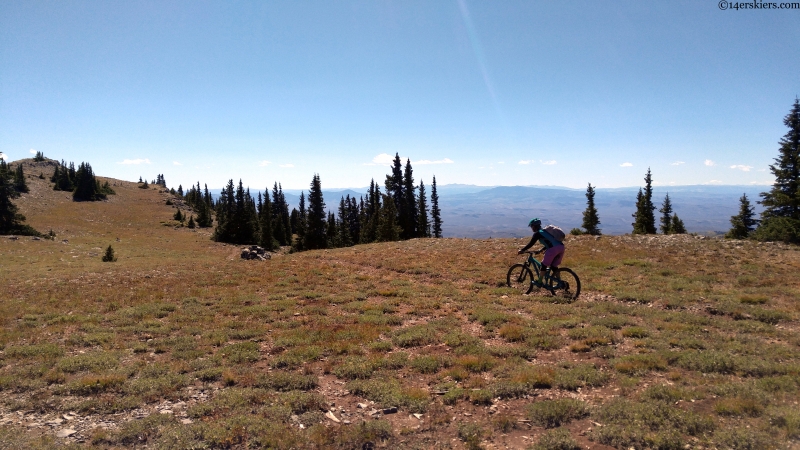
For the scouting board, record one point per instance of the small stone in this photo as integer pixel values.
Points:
(390, 410)
(186, 421)
(166, 411)
(418, 416)
(362, 405)
(331, 416)
(67, 432)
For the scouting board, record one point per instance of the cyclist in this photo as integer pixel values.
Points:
(553, 249)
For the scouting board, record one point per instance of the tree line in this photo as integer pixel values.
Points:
(398, 212)
(780, 220)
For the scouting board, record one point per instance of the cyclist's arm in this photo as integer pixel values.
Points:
(534, 238)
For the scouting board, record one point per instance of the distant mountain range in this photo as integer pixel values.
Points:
(504, 211)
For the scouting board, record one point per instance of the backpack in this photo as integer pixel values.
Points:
(556, 232)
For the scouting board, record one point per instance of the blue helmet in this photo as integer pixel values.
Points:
(535, 222)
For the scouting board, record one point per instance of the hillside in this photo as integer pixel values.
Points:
(675, 341)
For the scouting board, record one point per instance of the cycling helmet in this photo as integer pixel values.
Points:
(535, 223)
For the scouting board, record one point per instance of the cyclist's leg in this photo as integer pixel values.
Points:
(552, 257)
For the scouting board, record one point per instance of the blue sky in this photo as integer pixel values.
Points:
(488, 93)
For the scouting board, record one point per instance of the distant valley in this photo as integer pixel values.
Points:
(504, 211)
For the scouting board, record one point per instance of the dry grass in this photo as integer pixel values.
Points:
(675, 340)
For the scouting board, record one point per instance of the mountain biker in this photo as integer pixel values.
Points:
(553, 249)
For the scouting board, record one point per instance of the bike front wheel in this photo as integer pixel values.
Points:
(566, 285)
(520, 279)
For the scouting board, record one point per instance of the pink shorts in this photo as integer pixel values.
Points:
(553, 255)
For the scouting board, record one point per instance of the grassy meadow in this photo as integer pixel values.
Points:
(675, 342)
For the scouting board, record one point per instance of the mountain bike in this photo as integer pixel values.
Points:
(561, 281)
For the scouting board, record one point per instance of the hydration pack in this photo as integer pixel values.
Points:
(556, 232)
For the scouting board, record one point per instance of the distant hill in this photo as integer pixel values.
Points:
(504, 211)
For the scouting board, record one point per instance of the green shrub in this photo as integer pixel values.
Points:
(472, 434)
(782, 229)
(94, 361)
(415, 336)
(557, 439)
(554, 413)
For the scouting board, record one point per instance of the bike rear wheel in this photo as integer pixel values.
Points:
(520, 279)
(566, 285)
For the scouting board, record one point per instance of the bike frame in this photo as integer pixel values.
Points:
(537, 269)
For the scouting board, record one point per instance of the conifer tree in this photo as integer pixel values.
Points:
(10, 219)
(39, 157)
(180, 188)
(109, 255)
(743, 223)
(409, 203)
(423, 226)
(191, 223)
(315, 237)
(387, 229)
(590, 218)
(86, 186)
(19, 180)
(666, 216)
(436, 214)
(331, 232)
(178, 216)
(302, 223)
(645, 220)
(677, 225)
(344, 238)
(780, 219)
(225, 214)
(266, 235)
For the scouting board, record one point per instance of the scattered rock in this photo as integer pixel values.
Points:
(331, 416)
(418, 416)
(254, 252)
(66, 432)
(362, 406)
(390, 410)
(186, 421)
(13, 238)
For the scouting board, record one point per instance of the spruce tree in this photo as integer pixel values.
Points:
(332, 232)
(10, 219)
(436, 214)
(423, 226)
(266, 236)
(590, 218)
(666, 216)
(677, 225)
(743, 223)
(645, 220)
(109, 255)
(302, 224)
(19, 180)
(178, 216)
(315, 237)
(387, 229)
(86, 187)
(344, 238)
(191, 223)
(780, 219)
(225, 214)
(39, 157)
(409, 203)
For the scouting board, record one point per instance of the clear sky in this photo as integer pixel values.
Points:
(476, 92)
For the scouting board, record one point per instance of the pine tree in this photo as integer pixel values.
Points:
(677, 225)
(645, 220)
(743, 223)
(302, 223)
(191, 223)
(225, 214)
(10, 219)
(19, 180)
(436, 214)
(86, 186)
(423, 226)
(780, 219)
(109, 255)
(409, 203)
(315, 237)
(666, 216)
(387, 229)
(266, 236)
(178, 216)
(39, 157)
(180, 188)
(590, 218)
(331, 232)
(344, 238)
